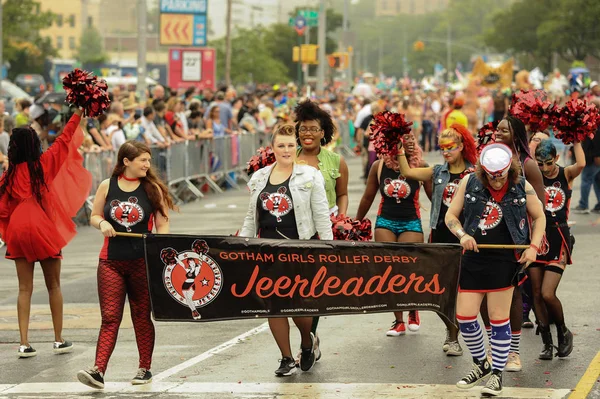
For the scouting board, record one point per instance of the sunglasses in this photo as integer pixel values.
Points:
(547, 163)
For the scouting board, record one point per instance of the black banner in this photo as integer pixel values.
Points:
(211, 278)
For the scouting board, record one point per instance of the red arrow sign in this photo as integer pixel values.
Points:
(185, 30)
(167, 30)
(175, 32)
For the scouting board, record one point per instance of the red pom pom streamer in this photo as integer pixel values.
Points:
(486, 135)
(85, 91)
(577, 120)
(347, 229)
(387, 130)
(264, 157)
(533, 108)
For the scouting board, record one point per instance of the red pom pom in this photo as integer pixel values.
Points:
(577, 120)
(347, 229)
(533, 109)
(387, 130)
(486, 135)
(85, 91)
(264, 157)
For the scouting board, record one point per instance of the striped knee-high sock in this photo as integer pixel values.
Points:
(500, 343)
(515, 341)
(488, 330)
(472, 334)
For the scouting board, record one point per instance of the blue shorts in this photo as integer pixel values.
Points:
(399, 226)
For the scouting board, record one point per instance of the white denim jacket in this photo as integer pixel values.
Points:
(307, 188)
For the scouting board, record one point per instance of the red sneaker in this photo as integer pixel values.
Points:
(414, 321)
(398, 328)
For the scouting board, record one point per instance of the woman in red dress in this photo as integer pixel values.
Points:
(39, 194)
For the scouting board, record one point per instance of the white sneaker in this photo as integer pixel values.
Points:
(513, 363)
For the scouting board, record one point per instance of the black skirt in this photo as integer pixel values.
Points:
(488, 271)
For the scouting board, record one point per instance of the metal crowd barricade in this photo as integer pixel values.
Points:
(199, 163)
(221, 163)
(100, 165)
(247, 148)
(209, 161)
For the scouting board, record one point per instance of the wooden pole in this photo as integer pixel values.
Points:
(501, 246)
(133, 235)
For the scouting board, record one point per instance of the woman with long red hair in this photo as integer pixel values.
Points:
(133, 200)
(460, 153)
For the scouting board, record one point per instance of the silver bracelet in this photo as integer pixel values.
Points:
(460, 233)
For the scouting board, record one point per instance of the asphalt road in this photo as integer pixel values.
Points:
(237, 358)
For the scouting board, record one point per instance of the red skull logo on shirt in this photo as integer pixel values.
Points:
(555, 198)
(277, 204)
(492, 216)
(396, 188)
(126, 213)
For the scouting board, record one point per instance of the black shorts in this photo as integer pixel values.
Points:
(484, 272)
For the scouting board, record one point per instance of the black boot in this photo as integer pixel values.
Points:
(547, 349)
(565, 341)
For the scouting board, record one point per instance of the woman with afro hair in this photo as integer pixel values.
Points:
(39, 194)
(314, 130)
(460, 155)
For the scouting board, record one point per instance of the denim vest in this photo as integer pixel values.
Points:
(441, 178)
(513, 205)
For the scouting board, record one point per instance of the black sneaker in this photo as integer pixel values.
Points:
(143, 376)
(595, 210)
(26, 351)
(92, 378)
(481, 369)
(286, 367)
(493, 387)
(307, 358)
(62, 347)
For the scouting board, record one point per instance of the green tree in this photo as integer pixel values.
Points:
(90, 49)
(572, 29)
(251, 59)
(23, 47)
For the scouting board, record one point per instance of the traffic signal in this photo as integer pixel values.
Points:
(338, 60)
(307, 53)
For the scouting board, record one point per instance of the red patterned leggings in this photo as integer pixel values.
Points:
(115, 280)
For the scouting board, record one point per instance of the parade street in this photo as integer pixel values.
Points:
(237, 358)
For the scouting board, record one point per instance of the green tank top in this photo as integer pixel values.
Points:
(329, 165)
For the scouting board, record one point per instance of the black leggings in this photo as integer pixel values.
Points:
(544, 282)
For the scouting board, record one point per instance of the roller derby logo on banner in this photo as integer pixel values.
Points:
(223, 278)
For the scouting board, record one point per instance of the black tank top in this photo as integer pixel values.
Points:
(399, 196)
(558, 197)
(492, 229)
(127, 212)
(276, 217)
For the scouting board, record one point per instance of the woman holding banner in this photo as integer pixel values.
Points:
(133, 200)
(459, 151)
(399, 214)
(496, 202)
(288, 201)
(314, 130)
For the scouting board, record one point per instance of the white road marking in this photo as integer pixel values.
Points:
(232, 206)
(210, 353)
(289, 389)
(208, 206)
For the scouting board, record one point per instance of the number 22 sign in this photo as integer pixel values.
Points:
(191, 70)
